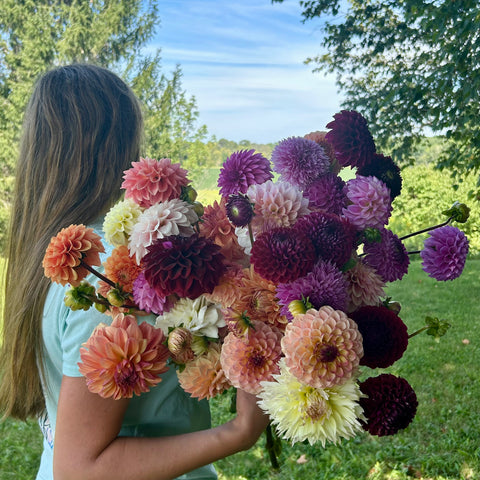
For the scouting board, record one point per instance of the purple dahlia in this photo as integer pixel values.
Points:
(147, 299)
(385, 336)
(299, 161)
(326, 193)
(239, 210)
(444, 253)
(351, 139)
(282, 255)
(389, 406)
(242, 169)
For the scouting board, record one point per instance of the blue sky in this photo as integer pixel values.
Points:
(244, 63)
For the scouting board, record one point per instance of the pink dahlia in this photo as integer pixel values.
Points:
(369, 202)
(186, 266)
(324, 285)
(388, 257)
(225, 293)
(276, 204)
(327, 193)
(66, 251)
(151, 181)
(242, 169)
(282, 255)
(365, 286)
(386, 170)
(351, 139)
(124, 358)
(322, 347)
(147, 299)
(444, 253)
(385, 336)
(389, 404)
(299, 161)
(333, 237)
(173, 217)
(247, 362)
(203, 377)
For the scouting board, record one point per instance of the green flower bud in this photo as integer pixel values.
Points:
(116, 297)
(189, 194)
(198, 209)
(458, 212)
(101, 307)
(80, 298)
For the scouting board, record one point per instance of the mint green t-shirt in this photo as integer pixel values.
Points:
(165, 410)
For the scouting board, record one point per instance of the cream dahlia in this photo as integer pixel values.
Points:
(119, 222)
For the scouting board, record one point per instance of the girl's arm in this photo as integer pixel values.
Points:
(87, 446)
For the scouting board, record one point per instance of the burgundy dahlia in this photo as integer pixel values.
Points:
(351, 139)
(242, 169)
(388, 257)
(282, 255)
(389, 406)
(332, 236)
(324, 285)
(326, 193)
(385, 336)
(386, 170)
(186, 266)
(299, 161)
(239, 210)
(444, 253)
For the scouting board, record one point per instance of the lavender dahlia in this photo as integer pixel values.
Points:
(326, 193)
(444, 253)
(390, 404)
(242, 169)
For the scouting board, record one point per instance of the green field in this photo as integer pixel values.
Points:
(442, 443)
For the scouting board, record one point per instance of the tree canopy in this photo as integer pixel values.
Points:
(410, 67)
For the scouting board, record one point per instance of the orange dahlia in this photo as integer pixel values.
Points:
(225, 293)
(124, 358)
(122, 268)
(322, 347)
(203, 377)
(66, 251)
(251, 360)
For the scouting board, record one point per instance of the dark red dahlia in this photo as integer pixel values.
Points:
(385, 336)
(239, 210)
(351, 139)
(282, 255)
(389, 406)
(186, 266)
(386, 170)
(332, 236)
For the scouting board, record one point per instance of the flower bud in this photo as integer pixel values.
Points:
(458, 212)
(198, 208)
(189, 194)
(179, 344)
(79, 298)
(101, 307)
(116, 297)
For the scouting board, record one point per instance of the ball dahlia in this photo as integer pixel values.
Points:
(386, 170)
(121, 268)
(327, 193)
(119, 222)
(322, 347)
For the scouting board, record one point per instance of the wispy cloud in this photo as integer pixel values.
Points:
(244, 63)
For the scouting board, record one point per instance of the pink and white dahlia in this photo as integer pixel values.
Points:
(174, 217)
(322, 347)
(365, 286)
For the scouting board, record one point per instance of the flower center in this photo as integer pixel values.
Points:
(326, 353)
(257, 360)
(316, 408)
(126, 375)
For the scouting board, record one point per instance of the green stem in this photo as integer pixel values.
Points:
(418, 331)
(427, 229)
(250, 233)
(270, 444)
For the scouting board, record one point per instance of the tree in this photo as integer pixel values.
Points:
(38, 34)
(409, 66)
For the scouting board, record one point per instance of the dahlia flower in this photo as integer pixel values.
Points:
(388, 257)
(326, 193)
(199, 316)
(319, 137)
(389, 404)
(124, 358)
(249, 361)
(225, 292)
(444, 253)
(299, 161)
(173, 217)
(333, 237)
(385, 336)
(370, 202)
(365, 286)
(242, 169)
(119, 222)
(239, 210)
(386, 170)
(179, 344)
(203, 377)
(301, 412)
(65, 252)
(351, 139)
(322, 347)
(151, 181)
(276, 204)
(282, 255)
(324, 285)
(147, 299)
(121, 268)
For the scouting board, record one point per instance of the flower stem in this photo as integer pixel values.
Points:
(250, 233)
(427, 229)
(413, 252)
(97, 274)
(418, 331)
(270, 445)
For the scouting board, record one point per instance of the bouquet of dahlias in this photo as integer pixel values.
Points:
(277, 289)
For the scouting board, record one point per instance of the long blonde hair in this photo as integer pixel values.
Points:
(82, 127)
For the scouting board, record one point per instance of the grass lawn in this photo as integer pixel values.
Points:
(442, 443)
